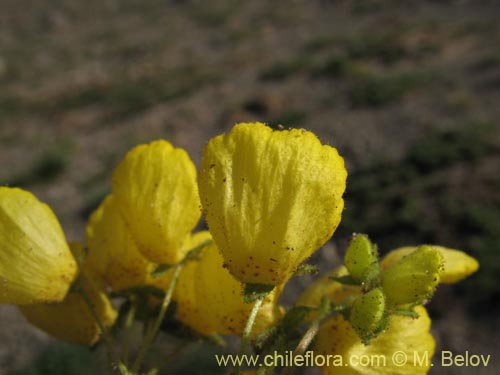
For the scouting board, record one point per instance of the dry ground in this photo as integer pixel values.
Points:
(394, 85)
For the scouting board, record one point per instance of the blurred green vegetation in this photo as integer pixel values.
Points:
(63, 359)
(48, 165)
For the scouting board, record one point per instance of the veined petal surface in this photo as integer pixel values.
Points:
(407, 335)
(155, 187)
(271, 198)
(36, 264)
(210, 300)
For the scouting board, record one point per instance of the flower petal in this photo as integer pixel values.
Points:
(71, 320)
(112, 252)
(409, 336)
(271, 198)
(36, 264)
(210, 300)
(155, 187)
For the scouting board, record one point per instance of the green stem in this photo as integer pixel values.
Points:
(112, 363)
(303, 344)
(151, 334)
(245, 338)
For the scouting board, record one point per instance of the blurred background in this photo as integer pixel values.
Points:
(408, 91)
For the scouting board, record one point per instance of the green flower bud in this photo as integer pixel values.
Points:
(368, 314)
(414, 278)
(361, 258)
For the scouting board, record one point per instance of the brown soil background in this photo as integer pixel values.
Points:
(83, 82)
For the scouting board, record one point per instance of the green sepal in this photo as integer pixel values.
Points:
(253, 292)
(406, 312)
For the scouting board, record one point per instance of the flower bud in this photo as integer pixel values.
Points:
(413, 278)
(361, 258)
(36, 264)
(409, 336)
(271, 198)
(367, 313)
(457, 265)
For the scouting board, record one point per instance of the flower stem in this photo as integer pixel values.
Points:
(245, 338)
(112, 362)
(151, 334)
(303, 344)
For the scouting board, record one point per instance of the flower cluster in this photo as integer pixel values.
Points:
(270, 198)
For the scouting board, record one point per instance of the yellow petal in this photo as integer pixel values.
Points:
(271, 198)
(457, 264)
(406, 337)
(71, 320)
(36, 264)
(210, 300)
(112, 252)
(155, 187)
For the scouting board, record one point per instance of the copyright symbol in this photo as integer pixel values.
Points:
(399, 358)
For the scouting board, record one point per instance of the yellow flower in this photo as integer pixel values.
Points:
(36, 264)
(406, 337)
(112, 252)
(210, 300)
(271, 198)
(155, 188)
(457, 265)
(71, 320)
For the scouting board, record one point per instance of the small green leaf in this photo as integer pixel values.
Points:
(306, 269)
(161, 270)
(253, 292)
(194, 253)
(406, 312)
(295, 316)
(346, 280)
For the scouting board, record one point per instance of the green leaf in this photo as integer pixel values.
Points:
(306, 269)
(253, 292)
(194, 253)
(346, 280)
(295, 316)
(406, 312)
(161, 270)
